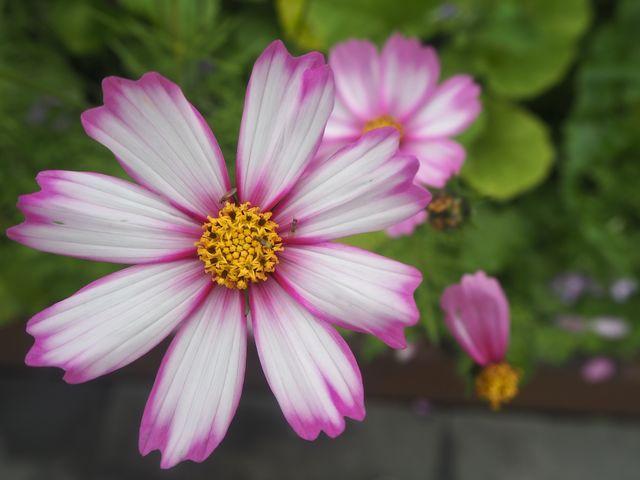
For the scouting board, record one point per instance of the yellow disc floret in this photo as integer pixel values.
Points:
(383, 121)
(239, 245)
(498, 383)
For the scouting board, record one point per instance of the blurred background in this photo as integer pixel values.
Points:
(551, 207)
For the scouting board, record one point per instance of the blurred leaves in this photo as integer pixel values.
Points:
(513, 153)
(319, 24)
(521, 47)
(602, 145)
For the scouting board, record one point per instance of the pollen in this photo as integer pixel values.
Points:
(498, 383)
(239, 246)
(383, 121)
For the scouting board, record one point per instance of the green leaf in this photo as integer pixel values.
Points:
(513, 154)
(318, 24)
(521, 47)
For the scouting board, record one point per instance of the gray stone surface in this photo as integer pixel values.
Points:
(538, 447)
(53, 431)
(261, 446)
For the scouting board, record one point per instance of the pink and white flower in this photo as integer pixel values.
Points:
(191, 268)
(477, 315)
(398, 87)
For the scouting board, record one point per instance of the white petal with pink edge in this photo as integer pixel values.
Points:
(451, 109)
(364, 187)
(286, 109)
(352, 288)
(409, 74)
(440, 159)
(357, 74)
(161, 140)
(117, 319)
(198, 387)
(97, 217)
(309, 367)
(342, 128)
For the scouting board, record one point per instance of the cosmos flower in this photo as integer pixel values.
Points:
(201, 253)
(398, 88)
(477, 315)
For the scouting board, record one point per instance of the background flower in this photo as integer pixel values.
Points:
(477, 315)
(399, 87)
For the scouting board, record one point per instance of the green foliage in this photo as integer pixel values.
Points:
(513, 154)
(318, 24)
(521, 47)
(602, 145)
(552, 183)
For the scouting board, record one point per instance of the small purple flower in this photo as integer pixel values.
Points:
(569, 287)
(422, 407)
(612, 328)
(598, 369)
(39, 110)
(623, 288)
(571, 323)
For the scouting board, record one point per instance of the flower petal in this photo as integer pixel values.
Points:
(161, 140)
(352, 288)
(93, 216)
(453, 106)
(364, 187)
(356, 66)
(286, 109)
(408, 226)
(309, 367)
(117, 319)
(409, 74)
(477, 314)
(440, 159)
(342, 128)
(198, 386)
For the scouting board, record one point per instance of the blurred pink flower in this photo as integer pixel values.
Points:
(477, 315)
(598, 369)
(398, 87)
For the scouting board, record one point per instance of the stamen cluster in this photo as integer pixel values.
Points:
(498, 383)
(383, 121)
(239, 245)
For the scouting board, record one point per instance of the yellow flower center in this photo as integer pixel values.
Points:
(498, 383)
(239, 245)
(383, 121)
